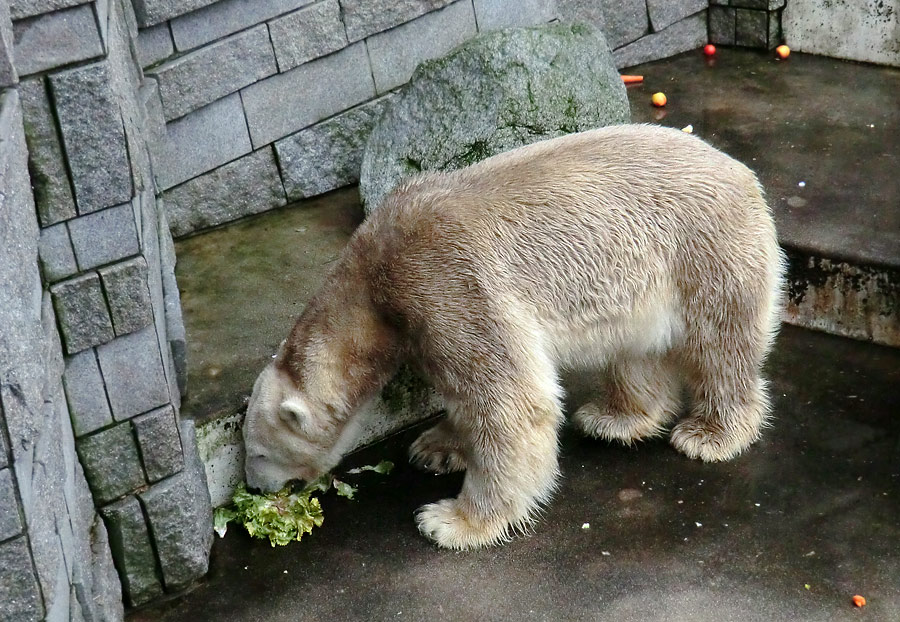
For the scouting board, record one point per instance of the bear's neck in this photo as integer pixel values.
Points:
(341, 351)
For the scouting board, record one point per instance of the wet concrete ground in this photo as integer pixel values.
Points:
(831, 125)
(816, 502)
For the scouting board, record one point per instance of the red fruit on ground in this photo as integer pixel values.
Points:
(709, 49)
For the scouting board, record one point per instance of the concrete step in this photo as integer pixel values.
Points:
(824, 137)
(830, 124)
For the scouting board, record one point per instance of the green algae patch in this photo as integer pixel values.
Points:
(287, 515)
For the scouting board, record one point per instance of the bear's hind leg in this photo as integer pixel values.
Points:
(641, 399)
(438, 449)
(730, 401)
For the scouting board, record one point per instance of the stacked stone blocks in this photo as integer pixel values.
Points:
(88, 412)
(280, 93)
(272, 101)
(747, 23)
(54, 564)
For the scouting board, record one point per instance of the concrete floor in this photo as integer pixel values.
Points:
(816, 502)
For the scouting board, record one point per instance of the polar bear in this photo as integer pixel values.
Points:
(639, 251)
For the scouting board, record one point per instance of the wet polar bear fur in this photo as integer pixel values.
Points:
(639, 251)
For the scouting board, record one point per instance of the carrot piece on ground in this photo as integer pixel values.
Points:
(632, 79)
(859, 601)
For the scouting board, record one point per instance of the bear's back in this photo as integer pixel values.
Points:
(600, 219)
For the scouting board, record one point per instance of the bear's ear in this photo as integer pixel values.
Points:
(294, 413)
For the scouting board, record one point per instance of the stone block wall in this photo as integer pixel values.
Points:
(747, 23)
(91, 346)
(258, 104)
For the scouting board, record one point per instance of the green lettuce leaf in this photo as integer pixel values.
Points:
(282, 517)
(221, 518)
(286, 516)
(344, 489)
(382, 468)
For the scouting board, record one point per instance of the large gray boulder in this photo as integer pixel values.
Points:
(495, 92)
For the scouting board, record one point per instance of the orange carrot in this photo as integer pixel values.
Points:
(632, 79)
(859, 601)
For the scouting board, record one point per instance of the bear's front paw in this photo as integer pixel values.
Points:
(451, 527)
(436, 451)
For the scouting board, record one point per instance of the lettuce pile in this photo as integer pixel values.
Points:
(286, 515)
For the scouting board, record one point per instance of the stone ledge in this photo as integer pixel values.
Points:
(843, 298)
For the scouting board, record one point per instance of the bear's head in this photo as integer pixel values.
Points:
(288, 434)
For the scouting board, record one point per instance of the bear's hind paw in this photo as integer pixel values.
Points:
(603, 423)
(699, 440)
